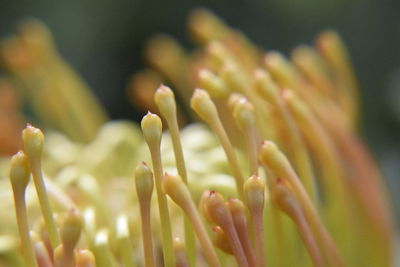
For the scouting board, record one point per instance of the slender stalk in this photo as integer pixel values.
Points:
(269, 91)
(205, 108)
(22, 219)
(235, 78)
(178, 191)
(254, 189)
(244, 115)
(165, 101)
(147, 235)
(19, 178)
(275, 227)
(334, 182)
(144, 190)
(332, 49)
(220, 215)
(287, 203)
(237, 210)
(70, 234)
(42, 255)
(33, 144)
(272, 157)
(152, 128)
(311, 65)
(259, 247)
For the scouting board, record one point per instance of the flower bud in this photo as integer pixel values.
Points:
(165, 101)
(152, 129)
(19, 172)
(204, 107)
(144, 182)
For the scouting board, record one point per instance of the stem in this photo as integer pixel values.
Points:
(190, 242)
(22, 219)
(168, 248)
(252, 149)
(241, 229)
(230, 154)
(301, 156)
(68, 259)
(259, 246)
(42, 255)
(308, 238)
(314, 220)
(236, 246)
(147, 236)
(45, 207)
(205, 242)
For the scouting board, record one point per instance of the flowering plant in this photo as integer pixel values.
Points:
(279, 177)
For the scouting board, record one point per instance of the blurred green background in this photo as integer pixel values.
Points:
(104, 42)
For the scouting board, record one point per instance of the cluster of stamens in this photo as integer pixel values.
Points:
(288, 129)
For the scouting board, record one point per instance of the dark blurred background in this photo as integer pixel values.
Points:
(104, 42)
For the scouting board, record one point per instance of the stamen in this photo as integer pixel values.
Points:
(234, 78)
(334, 181)
(205, 26)
(288, 203)
(237, 210)
(233, 99)
(42, 254)
(213, 84)
(287, 76)
(221, 216)
(218, 55)
(144, 189)
(179, 193)
(165, 100)
(254, 189)
(220, 240)
(19, 178)
(244, 116)
(282, 70)
(152, 131)
(70, 234)
(33, 145)
(205, 108)
(270, 91)
(169, 58)
(85, 258)
(202, 206)
(271, 157)
(332, 49)
(311, 65)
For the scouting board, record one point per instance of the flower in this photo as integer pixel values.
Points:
(275, 176)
